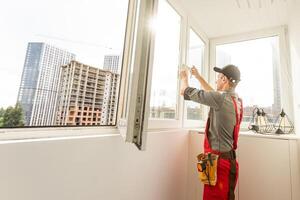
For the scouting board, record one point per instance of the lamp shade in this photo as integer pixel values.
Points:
(283, 124)
(260, 122)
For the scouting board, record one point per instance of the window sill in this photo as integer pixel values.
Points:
(43, 134)
(257, 135)
(64, 133)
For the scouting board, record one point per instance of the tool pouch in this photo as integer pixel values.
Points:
(207, 168)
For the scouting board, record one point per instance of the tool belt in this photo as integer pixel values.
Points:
(207, 166)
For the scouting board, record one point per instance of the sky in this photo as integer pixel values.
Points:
(93, 28)
(166, 57)
(195, 58)
(88, 28)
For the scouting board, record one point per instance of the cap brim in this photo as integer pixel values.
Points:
(217, 69)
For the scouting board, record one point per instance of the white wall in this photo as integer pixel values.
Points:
(95, 168)
(107, 168)
(294, 32)
(195, 188)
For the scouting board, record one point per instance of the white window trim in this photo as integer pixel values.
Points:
(192, 24)
(187, 23)
(46, 133)
(285, 67)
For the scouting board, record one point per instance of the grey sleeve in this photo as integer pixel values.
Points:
(209, 98)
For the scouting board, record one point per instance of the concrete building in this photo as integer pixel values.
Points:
(88, 96)
(39, 83)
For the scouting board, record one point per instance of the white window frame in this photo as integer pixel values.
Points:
(124, 120)
(21, 134)
(138, 55)
(174, 123)
(284, 69)
(187, 22)
(192, 24)
(40, 133)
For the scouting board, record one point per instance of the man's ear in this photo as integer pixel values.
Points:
(224, 79)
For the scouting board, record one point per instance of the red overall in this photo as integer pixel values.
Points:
(227, 171)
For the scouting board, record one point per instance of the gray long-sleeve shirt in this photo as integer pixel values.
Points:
(222, 115)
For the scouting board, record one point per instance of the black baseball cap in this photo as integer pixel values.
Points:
(232, 72)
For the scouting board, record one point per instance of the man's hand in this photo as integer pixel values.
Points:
(195, 72)
(201, 80)
(184, 80)
(183, 74)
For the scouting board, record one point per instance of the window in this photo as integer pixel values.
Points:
(54, 57)
(66, 63)
(164, 85)
(259, 63)
(195, 57)
(136, 71)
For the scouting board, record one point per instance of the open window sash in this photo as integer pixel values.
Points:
(133, 109)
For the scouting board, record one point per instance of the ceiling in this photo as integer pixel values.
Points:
(226, 17)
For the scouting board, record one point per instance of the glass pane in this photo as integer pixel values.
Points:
(195, 58)
(61, 62)
(163, 102)
(258, 61)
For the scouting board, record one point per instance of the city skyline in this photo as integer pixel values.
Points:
(49, 78)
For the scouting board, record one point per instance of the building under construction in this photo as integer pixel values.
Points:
(88, 95)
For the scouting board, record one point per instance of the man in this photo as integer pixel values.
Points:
(222, 128)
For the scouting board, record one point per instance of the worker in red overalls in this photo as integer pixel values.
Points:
(222, 128)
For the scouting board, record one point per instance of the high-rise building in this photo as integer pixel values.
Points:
(88, 95)
(112, 63)
(40, 83)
